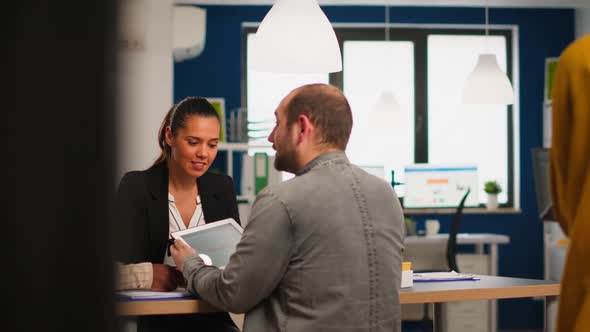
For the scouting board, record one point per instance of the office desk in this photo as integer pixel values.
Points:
(163, 307)
(488, 288)
(429, 253)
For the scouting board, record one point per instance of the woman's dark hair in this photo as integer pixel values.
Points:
(176, 119)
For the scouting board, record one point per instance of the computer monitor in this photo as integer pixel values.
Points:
(378, 171)
(440, 186)
(541, 177)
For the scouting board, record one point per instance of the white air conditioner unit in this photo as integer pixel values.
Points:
(131, 34)
(189, 24)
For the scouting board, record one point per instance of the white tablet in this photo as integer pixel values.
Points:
(217, 240)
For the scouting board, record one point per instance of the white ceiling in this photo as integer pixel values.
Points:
(444, 3)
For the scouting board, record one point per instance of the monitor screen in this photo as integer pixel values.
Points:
(378, 171)
(541, 174)
(440, 186)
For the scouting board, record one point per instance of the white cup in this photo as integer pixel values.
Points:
(432, 227)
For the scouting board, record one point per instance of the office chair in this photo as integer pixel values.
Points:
(452, 242)
(451, 252)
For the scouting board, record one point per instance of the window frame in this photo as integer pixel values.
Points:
(418, 35)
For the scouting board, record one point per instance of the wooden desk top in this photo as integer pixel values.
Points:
(163, 307)
(488, 288)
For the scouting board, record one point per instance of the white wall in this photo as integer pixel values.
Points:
(145, 79)
(582, 21)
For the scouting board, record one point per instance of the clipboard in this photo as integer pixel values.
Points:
(146, 295)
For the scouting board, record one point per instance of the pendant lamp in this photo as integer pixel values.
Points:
(295, 36)
(386, 101)
(487, 83)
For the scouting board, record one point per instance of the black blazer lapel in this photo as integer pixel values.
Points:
(210, 200)
(158, 211)
(218, 197)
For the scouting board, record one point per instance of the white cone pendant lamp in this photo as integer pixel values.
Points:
(487, 83)
(387, 102)
(295, 36)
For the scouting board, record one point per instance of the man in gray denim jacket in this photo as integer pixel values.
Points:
(320, 252)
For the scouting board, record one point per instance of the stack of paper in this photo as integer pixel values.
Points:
(153, 295)
(442, 276)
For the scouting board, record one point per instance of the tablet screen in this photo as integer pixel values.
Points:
(217, 240)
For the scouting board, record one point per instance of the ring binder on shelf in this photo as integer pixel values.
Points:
(260, 171)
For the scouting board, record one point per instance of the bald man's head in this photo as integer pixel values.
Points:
(327, 109)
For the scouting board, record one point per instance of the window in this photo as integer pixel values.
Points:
(425, 68)
(265, 92)
(373, 67)
(460, 133)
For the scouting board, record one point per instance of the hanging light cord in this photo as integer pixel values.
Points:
(387, 22)
(487, 17)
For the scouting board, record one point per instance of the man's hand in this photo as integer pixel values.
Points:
(166, 278)
(180, 250)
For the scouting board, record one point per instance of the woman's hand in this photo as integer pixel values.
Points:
(166, 278)
(180, 250)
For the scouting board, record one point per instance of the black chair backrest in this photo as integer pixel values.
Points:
(452, 242)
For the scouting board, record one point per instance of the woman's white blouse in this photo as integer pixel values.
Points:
(175, 222)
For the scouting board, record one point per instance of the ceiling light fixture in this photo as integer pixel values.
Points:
(487, 83)
(295, 36)
(387, 101)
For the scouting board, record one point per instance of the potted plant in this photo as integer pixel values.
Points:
(492, 188)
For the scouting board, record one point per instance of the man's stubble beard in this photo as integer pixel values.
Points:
(285, 161)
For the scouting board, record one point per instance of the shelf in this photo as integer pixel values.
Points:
(243, 147)
(232, 146)
(248, 198)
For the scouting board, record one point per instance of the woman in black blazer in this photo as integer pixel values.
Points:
(176, 192)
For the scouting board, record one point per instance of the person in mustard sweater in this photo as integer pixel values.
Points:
(570, 180)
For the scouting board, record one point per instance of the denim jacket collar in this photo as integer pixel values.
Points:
(324, 159)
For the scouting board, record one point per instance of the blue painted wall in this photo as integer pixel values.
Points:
(541, 33)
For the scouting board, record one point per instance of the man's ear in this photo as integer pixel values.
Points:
(305, 128)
